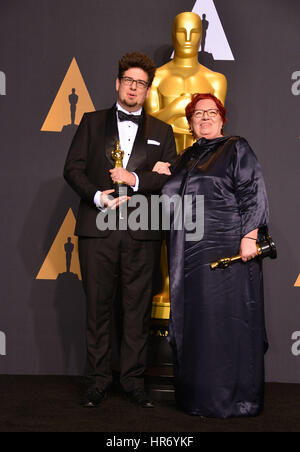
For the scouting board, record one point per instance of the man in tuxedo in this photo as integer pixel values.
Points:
(126, 257)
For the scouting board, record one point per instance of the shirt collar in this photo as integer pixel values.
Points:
(138, 112)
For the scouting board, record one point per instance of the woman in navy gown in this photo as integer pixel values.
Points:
(217, 327)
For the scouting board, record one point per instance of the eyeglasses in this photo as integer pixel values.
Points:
(128, 81)
(211, 113)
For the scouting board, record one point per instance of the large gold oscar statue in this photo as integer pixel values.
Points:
(171, 91)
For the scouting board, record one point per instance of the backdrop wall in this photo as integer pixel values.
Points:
(51, 46)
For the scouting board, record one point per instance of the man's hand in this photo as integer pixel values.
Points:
(162, 168)
(112, 203)
(121, 174)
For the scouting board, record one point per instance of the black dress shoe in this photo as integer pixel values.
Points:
(93, 398)
(139, 397)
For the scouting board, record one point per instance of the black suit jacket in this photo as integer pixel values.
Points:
(89, 161)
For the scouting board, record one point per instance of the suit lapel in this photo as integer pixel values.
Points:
(139, 153)
(111, 134)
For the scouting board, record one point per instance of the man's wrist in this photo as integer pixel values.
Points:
(135, 185)
(98, 201)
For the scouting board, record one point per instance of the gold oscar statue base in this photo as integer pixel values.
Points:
(159, 375)
(161, 301)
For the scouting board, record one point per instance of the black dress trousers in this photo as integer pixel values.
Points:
(106, 263)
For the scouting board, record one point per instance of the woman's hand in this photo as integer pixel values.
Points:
(162, 168)
(248, 248)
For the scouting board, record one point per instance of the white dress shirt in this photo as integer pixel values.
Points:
(127, 133)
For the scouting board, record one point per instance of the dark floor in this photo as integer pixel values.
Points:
(51, 404)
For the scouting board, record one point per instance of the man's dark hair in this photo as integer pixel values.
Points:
(137, 59)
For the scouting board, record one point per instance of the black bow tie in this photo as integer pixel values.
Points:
(124, 117)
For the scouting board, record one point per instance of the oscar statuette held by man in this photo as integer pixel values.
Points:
(120, 187)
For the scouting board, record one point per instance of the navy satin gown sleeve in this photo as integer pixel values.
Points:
(250, 189)
(217, 327)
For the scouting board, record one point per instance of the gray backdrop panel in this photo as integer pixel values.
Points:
(43, 321)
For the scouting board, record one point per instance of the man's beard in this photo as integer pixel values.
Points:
(128, 104)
